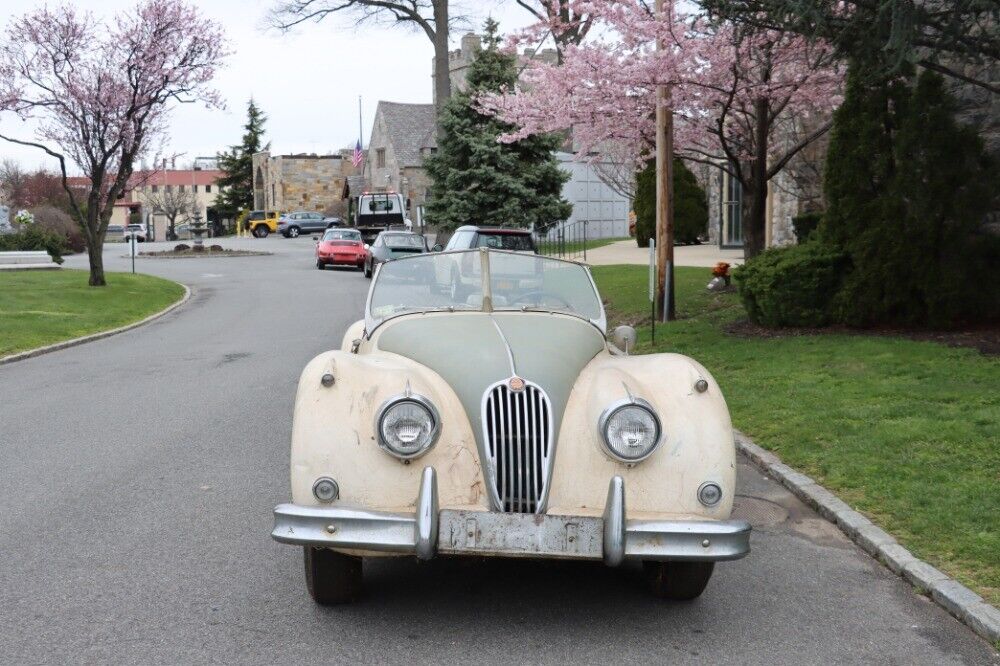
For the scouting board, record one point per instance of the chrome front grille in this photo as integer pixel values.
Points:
(517, 429)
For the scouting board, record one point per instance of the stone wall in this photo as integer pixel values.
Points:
(302, 182)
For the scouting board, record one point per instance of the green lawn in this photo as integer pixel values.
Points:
(907, 432)
(42, 307)
(574, 247)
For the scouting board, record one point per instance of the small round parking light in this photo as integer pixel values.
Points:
(326, 489)
(709, 493)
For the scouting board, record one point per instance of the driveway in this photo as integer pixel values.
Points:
(627, 252)
(138, 473)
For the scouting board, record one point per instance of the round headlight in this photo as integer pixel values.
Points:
(407, 427)
(631, 430)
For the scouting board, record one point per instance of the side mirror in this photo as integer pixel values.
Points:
(624, 338)
(437, 248)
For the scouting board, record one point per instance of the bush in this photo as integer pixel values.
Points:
(805, 224)
(792, 286)
(59, 222)
(33, 238)
(690, 205)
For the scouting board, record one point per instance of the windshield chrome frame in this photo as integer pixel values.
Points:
(371, 323)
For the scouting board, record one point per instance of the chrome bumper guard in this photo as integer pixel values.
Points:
(429, 531)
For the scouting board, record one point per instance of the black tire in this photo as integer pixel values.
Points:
(332, 578)
(368, 271)
(677, 581)
(261, 231)
(320, 265)
(293, 232)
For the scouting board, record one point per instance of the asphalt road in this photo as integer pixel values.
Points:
(138, 473)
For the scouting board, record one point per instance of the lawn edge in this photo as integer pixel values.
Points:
(73, 342)
(961, 602)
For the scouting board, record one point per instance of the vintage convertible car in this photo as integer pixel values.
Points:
(504, 423)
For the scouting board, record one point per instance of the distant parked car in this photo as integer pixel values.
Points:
(262, 222)
(137, 230)
(332, 222)
(390, 245)
(114, 230)
(341, 247)
(290, 225)
(512, 240)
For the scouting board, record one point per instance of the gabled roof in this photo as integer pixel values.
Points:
(410, 128)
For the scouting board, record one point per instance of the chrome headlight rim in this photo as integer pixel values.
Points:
(614, 408)
(415, 399)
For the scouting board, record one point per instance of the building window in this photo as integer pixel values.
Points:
(168, 188)
(180, 188)
(380, 158)
(194, 188)
(155, 188)
(208, 189)
(732, 212)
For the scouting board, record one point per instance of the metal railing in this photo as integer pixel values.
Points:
(566, 241)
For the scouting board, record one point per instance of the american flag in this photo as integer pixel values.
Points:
(359, 156)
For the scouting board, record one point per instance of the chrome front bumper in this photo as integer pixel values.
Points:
(429, 531)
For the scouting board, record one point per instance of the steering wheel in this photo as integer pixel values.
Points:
(538, 296)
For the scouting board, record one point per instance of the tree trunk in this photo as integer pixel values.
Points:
(442, 73)
(755, 188)
(95, 253)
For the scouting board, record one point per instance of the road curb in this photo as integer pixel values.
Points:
(960, 601)
(65, 344)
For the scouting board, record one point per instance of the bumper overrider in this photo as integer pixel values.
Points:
(430, 531)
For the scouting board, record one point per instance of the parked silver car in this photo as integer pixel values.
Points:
(291, 225)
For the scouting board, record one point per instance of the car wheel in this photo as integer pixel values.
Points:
(293, 232)
(320, 265)
(677, 581)
(368, 271)
(260, 231)
(332, 578)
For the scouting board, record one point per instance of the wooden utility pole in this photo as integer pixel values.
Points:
(664, 196)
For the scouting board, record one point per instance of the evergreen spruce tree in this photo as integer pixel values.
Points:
(908, 190)
(478, 180)
(690, 205)
(236, 186)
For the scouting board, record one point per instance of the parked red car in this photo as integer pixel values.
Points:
(341, 247)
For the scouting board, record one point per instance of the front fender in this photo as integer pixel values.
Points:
(697, 443)
(333, 434)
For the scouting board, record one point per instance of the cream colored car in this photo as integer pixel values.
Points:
(504, 423)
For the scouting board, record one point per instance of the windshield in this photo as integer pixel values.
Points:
(403, 241)
(516, 242)
(455, 281)
(342, 234)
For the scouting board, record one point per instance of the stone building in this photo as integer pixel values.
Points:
(403, 135)
(460, 59)
(302, 182)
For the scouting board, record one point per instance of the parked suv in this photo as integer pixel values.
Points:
(262, 222)
(292, 224)
(515, 240)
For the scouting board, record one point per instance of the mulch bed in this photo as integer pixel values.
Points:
(207, 252)
(985, 338)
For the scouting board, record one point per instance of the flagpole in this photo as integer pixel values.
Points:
(361, 130)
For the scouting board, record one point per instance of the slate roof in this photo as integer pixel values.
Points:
(410, 128)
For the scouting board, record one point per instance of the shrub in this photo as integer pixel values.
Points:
(33, 238)
(59, 222)
(181, 247)
(805, 224)
(792, 286)
(908, 192)
(690, 205)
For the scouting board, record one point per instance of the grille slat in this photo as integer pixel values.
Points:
(518, 429)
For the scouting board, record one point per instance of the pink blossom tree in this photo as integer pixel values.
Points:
(99, 94)
(744, 101)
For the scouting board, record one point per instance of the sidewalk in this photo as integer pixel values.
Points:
(627, 252)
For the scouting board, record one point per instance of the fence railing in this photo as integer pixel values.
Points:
(566, 241)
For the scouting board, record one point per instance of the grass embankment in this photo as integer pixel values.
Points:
(43, 307)
(907, 432)
(574, 247)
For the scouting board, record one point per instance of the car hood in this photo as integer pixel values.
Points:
(472, 351)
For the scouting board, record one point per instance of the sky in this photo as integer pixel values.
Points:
(306, 81)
